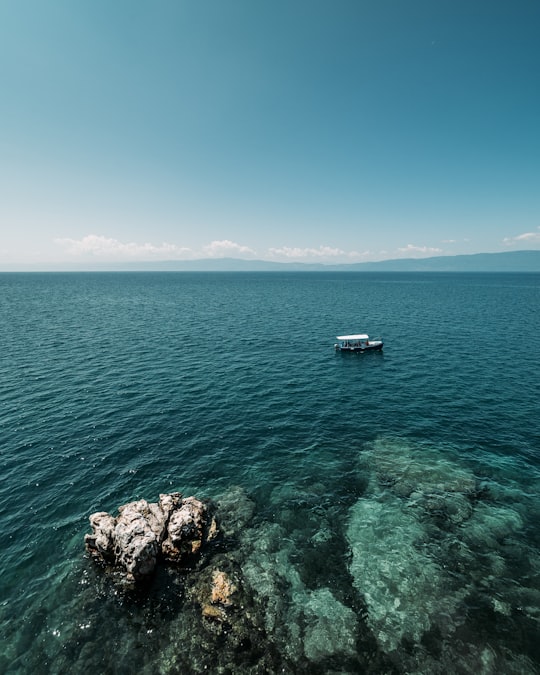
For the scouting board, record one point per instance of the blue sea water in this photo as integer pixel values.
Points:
(389, 501)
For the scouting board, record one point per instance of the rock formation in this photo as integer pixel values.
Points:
(173, 529)
(216, 593)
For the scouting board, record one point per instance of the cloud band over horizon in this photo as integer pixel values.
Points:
(110, 249)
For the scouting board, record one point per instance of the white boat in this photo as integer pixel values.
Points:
(358, 343)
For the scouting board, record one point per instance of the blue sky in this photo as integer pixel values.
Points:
(308, 130)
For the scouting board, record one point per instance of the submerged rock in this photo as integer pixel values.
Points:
(330, 627)
(431, 551)
(217, 591)
(406, 592)
(415, 470)
(236, 510)
(143, 532)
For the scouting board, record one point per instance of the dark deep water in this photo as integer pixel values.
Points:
(389, 502)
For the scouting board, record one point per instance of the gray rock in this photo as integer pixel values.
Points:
(136, 539)
(100, 544)
(185, 529)
(143, 532)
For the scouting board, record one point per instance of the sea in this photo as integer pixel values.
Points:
(380, 511)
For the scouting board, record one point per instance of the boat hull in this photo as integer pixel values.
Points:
(367, 348)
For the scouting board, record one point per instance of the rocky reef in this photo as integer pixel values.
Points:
(432, 550)
(131, 544)
(413, 560)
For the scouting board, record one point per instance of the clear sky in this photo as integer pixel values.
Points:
(307, 130)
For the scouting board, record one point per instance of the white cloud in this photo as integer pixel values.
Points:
(528, 237)
(321, 252)
(224, 247)
(106, 247)
(413, 250)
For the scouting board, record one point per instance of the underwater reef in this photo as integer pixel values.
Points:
(421, 565)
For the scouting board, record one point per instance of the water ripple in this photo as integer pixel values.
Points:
(116, 387)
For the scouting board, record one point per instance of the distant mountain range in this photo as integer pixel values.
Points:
(510, 261)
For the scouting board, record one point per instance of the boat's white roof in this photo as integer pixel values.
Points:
(361, 336)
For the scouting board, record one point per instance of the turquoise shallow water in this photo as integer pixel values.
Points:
(392, 498)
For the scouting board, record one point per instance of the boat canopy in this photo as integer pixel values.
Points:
(353, 337)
